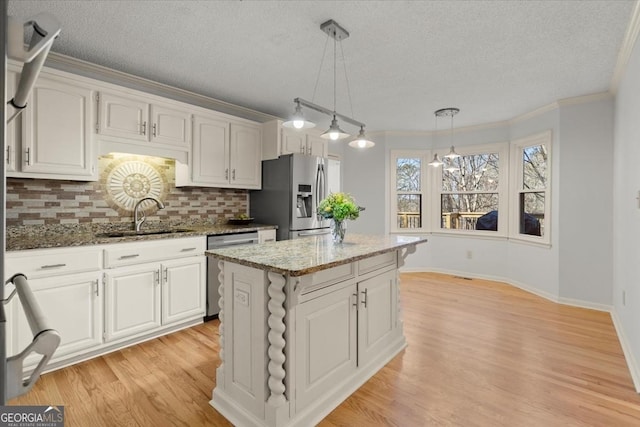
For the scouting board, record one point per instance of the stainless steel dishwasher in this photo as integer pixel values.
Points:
(216, 242)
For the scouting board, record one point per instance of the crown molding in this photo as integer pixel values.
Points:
(584, 99)
(626, 49)
(99, 72)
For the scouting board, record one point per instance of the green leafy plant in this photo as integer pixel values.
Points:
(339, 206)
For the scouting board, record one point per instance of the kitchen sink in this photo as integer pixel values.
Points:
(131, 233)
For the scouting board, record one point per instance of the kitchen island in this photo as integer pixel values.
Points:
(304, 323)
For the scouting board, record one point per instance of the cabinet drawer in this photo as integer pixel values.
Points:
(327, 277)
(123, 254)
(377, 262)
(53, 262)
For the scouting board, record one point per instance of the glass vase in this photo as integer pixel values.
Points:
(338, 229)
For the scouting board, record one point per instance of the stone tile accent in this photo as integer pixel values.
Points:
(53, 202)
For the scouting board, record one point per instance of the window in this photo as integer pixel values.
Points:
(530, 206)
(471, 190)
(408, 190)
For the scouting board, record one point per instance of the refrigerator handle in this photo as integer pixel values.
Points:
(317, 195)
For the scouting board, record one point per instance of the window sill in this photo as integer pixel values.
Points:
(466, 235)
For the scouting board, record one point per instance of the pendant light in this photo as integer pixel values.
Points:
(298, 121)
(436, 162)
(449, 112)
(334, 133)
(361, 141)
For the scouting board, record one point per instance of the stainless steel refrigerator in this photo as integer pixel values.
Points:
(292, 187)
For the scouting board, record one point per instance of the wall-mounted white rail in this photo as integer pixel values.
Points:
(45, 341)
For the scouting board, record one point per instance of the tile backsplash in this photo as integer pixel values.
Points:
(123, 179)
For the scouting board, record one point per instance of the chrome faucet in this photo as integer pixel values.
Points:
(138, 215)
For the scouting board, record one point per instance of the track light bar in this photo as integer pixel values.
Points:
(327, 111)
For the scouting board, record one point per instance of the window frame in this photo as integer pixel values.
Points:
(424, 156)
(502, 149)
(517, 148)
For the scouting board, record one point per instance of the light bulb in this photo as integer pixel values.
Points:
(333, 135)
(298, 124)
(362, 143)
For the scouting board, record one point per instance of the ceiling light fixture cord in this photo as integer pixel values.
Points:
(346, 78)
(334, 73)
(324, 53)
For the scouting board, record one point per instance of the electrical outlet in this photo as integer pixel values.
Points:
(469, 254)
(624, 297)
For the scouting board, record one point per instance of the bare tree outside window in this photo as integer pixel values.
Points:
(469, 190)
(534, 184)
(409, 192)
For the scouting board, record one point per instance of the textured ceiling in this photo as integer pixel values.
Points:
(404, 59)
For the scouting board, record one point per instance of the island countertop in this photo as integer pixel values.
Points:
(298, 257)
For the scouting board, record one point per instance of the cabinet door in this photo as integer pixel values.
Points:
(292, 142)
(317, 146)
(377, 315)
(123, 117)
(170, 126)
(246, 156)
(326, 340)
(210, 155)
(266, 236)
(73, 307)
(10, 136)
(57, 129)
(183, 289)
(132, 301)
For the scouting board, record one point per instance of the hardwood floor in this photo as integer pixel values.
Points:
(480, 353)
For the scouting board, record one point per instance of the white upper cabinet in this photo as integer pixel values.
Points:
(245, 156)
(10, 136)
(123, 117)
(317, 146)
(134, 118)
(225, 154)
(56, 140)
(278, 141)
(210, 155)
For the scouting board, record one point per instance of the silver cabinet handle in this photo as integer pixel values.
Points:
(53, 266)
(233, 174)
(187, 249)
(8, 154)
(97, 288)
(364, 301)
(302, 148)
(129, 256)
(154, 129)
(166, 274)
(355, 304)
(226, 174)
(156, 276)
(28, 153)
(144, 128)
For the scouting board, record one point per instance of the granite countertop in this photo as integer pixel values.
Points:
(54, 236)
(298, 257)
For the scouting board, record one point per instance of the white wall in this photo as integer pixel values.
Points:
(626, 213)
(578, 265)
(586, 214)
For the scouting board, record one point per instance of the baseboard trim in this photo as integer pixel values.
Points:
(632, 364)
(528, 288)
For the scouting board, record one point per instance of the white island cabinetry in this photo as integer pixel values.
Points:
(304, 323)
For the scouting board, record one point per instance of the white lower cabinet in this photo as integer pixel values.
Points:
(73, 307)
(183, 293)
(132, 301)
(102, 297)
(145, 296)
